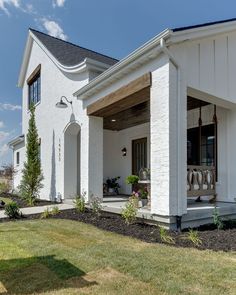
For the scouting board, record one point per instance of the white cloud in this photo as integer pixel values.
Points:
(4, 149)
(4, 135)
(9, 107)
(5, 3)
(26, 8)
(1, 124)
(58, 3)
(53, 29)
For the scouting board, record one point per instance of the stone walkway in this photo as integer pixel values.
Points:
(40, 209)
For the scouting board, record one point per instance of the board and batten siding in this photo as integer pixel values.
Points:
(209, 64)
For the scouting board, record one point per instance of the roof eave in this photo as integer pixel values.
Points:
(16, 141)
(122, 65)
(25, 60)
(87, 64)
(202, 31)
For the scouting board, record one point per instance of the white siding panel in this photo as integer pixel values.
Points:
(193, 65)
(221, 72)
(207, 65)
(232, 66)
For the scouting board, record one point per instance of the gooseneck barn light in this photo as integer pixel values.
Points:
(61, 104)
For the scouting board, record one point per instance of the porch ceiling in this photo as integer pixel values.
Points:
(138, 114)
(126, 107)
(193, 103)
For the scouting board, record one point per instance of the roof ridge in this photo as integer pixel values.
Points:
(70, 43)
(203, 25)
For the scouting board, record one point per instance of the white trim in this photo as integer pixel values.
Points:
(122, 66)
(16, 141)
(168, 36)
(202, 32)
(87, 64)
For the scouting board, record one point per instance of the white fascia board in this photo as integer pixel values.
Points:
(122, 66)
(87, 64)
(202, 32)
(16, 141)
(25, 61)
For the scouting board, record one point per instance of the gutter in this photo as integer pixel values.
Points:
(100, 81)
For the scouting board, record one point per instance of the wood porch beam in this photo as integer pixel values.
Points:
(123, 98)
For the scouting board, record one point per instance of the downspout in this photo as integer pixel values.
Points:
(176, 65)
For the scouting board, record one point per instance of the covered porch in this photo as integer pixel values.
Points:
(137, 134)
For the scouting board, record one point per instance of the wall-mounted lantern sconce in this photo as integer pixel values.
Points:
(124, 152)
(61, 104)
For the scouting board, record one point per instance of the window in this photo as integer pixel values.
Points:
(34, 84)
(202, 151)
(17, 158)
(139, 155)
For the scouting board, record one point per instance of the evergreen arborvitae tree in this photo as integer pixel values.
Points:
(32, 177)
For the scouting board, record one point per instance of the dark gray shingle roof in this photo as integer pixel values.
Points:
(70, 54)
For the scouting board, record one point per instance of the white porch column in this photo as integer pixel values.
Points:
(92, 157)
(168, 141)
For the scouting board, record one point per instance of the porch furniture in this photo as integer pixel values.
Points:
(201, 181)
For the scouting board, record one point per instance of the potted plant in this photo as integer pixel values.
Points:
(144, 196)
(132, 179)
(113, 185)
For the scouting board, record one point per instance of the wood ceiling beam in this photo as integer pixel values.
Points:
(125, 97)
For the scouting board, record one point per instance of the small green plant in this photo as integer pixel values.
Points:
(55, 210)
(12, 210)
(217, 219)
(129, 213)
(96, 205)
(193, 236)
(46, 213)
(165, 237)
(79, 202)
(132, 179)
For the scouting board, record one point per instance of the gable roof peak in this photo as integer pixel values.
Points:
(51, 41)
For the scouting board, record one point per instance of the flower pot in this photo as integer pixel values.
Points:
(111, 190)
(144, 202)
(140, 204)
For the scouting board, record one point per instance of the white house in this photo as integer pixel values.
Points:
(170, 105)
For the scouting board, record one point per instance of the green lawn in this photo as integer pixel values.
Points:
(66, 257)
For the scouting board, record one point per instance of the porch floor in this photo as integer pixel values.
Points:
(197, 213)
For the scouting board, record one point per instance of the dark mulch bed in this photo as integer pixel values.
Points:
(213, 239)
(22, 203)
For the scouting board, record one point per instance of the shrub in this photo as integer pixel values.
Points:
(12, 210)
(129, 213)
(96, 205)
(31, 182)
(46, 213)
(165, 237)
(55, 210)
(4, 187)
(79, 202)
(132, 179)
(217, 219)
(194, 237)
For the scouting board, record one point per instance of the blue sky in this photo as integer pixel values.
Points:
(112, 27)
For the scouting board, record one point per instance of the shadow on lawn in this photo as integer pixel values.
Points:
(39, 274)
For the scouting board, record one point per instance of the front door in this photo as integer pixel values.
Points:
(139, 155)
